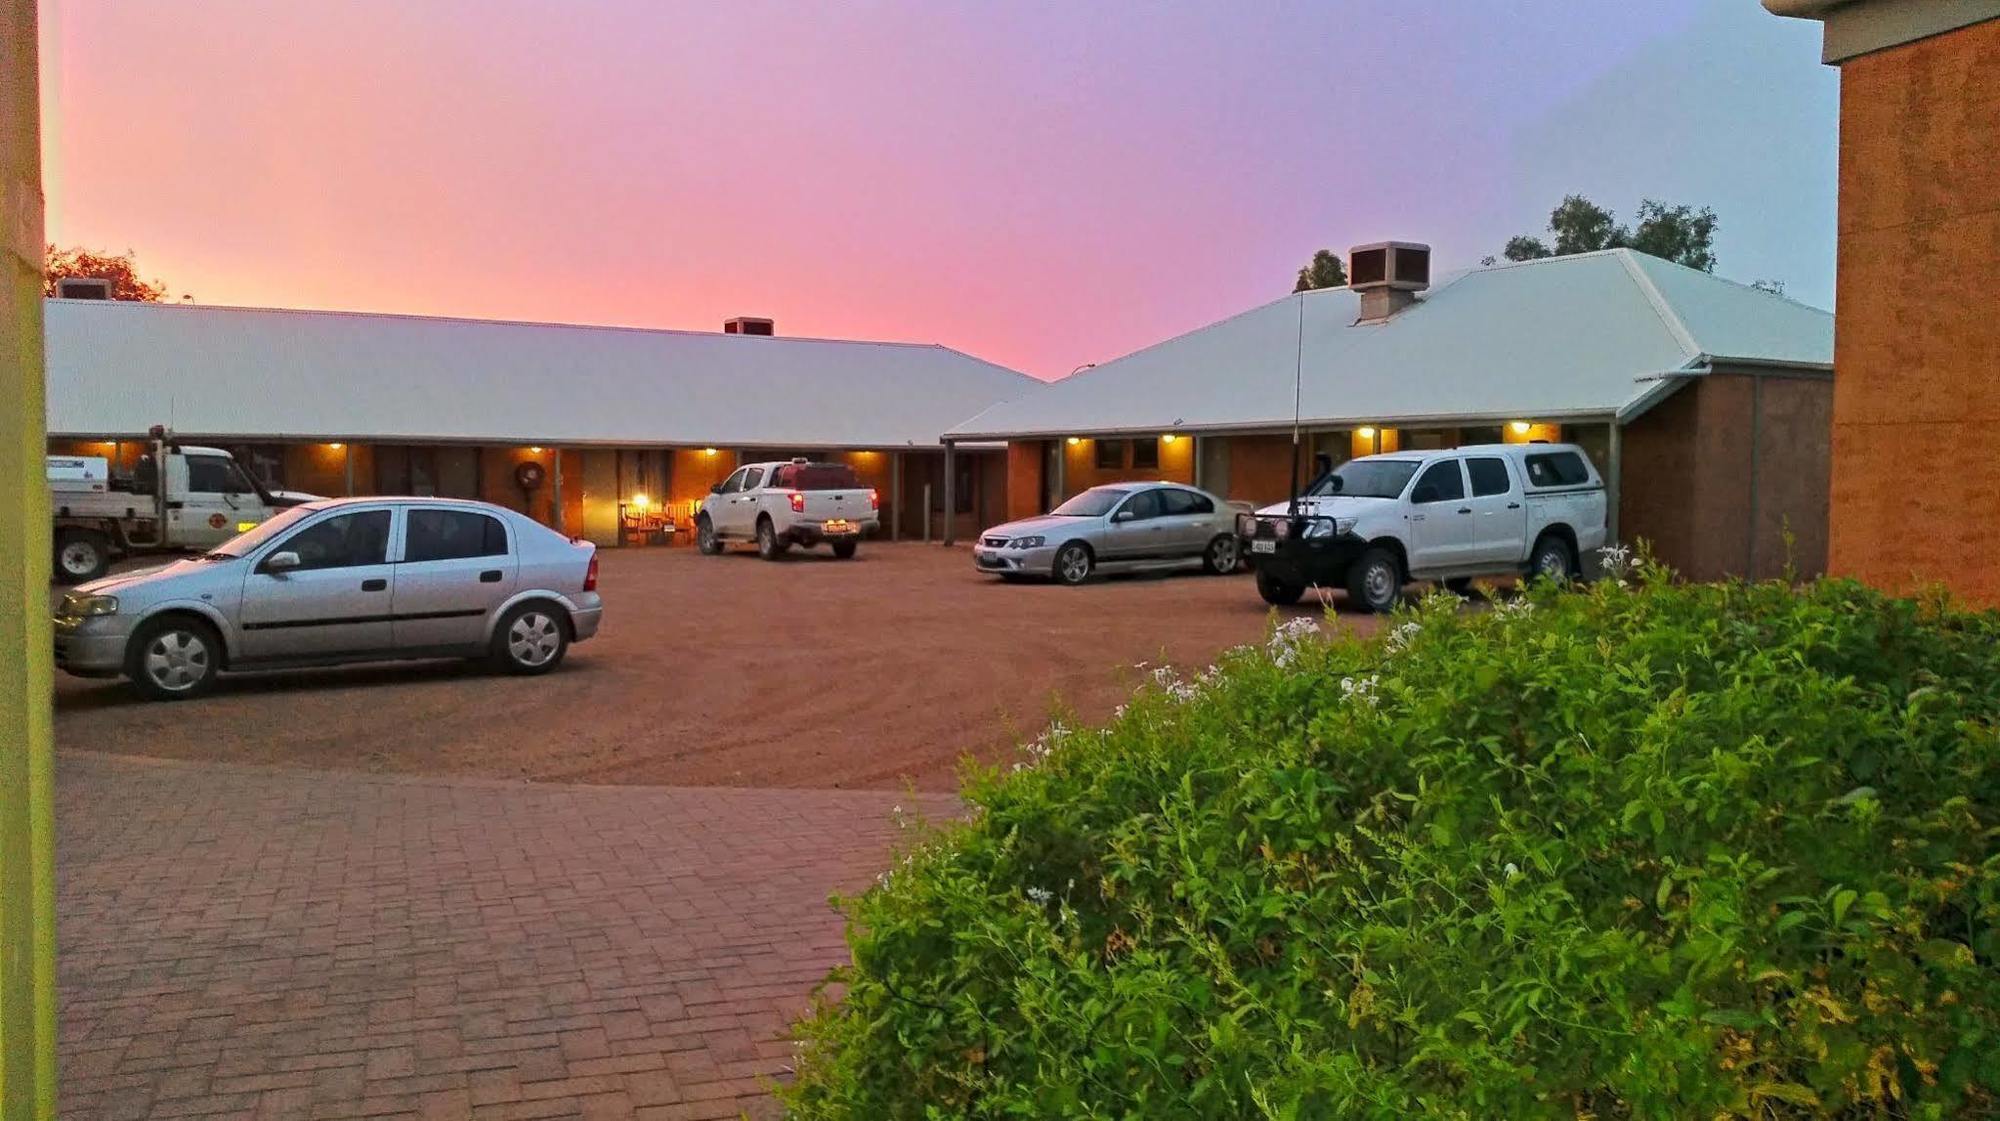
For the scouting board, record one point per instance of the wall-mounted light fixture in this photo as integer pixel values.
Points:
(639, 501)
(1168, 438)
(536, 450)
(1365, 432)
(708, 451)
(336, 447)
(1521, 427)
(1075, 440)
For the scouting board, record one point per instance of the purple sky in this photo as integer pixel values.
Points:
(1041, 184)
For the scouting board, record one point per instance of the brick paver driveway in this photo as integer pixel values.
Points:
(279, 943)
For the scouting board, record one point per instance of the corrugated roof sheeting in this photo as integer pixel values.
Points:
(123, 367)
(1563, 336)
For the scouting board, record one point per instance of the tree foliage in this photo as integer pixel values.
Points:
(1681, 234)
(121, 269)
(1325, 270)
(1645, 851)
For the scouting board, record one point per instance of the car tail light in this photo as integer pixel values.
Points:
(590, 574)
(874, 499)
(798, 502)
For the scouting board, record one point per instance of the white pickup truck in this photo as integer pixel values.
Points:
(1376, 523)
(796, 502)
(206, 500)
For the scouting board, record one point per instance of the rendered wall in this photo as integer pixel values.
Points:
(1916, 411)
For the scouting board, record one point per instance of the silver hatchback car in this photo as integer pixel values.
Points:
(1118, 527)
(336, 581)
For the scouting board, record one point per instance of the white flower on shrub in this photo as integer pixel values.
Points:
(1616, 561)
(1040, 896)
(1402, 636)
(1170, 683)
(1285, 640)
(1360, 690)
(1513, 607)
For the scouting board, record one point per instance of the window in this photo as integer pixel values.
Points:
(1374, 478)
(452, 534)
(1110, 454)
(961, 497)
(1489, 476)
(1440, 482)
(783, 476)
(1557, 469)
(1483, 434)
(1093, 503)
(1180, 503)
(212, 474)
(753, 477)
(733, 483)
(342, 541)
(1146, 453)
(1142, 506)
(824, 476)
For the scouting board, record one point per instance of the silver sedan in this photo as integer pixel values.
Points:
(335, 581)
(1120, 527)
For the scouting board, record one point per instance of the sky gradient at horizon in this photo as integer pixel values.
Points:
(1037, 183)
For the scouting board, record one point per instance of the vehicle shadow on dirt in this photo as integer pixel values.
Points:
(110, 694)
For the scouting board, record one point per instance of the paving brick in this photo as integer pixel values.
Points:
(244, 942)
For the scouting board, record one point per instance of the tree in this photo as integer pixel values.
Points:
(119, 268)
(1681, 234)
(1325, 270)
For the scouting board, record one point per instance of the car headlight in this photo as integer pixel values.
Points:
(1318, 527)
(1031, 542)
(1343, 526)
(1282, 528)
(91, 605)
(1246, 525)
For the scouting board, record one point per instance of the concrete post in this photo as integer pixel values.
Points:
(1614, 481)
(27, 755)
(950, 492)
(347, 466)
(555, 489)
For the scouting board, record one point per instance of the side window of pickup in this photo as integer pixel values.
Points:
(1557, 469)
(1440, 482)
(1489, 476)
(753, 478)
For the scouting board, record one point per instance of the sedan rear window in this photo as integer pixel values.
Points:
(433, 535)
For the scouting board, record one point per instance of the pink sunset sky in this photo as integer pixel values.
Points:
(1040, 184)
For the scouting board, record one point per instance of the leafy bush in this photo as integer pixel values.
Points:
(1661, 851)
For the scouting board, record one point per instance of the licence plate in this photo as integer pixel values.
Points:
(837, 526)
(1263, 546)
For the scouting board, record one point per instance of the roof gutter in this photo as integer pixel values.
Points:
(1282, 426)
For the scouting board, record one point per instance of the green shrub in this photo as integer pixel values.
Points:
(1662, 851)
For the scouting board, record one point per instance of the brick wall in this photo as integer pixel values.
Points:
(1081, 472)
(1916, 409)
(1024, 478)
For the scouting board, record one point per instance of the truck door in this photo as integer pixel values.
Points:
(1499, 517)
(215, 504)
(456, 569)
(1440, 520)
(335, 600)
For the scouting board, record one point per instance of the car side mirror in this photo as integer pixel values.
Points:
(1424, 494)
(280, 562)
(716, 489)
(1123, 516)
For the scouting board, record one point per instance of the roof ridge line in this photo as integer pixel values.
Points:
(1670, 318)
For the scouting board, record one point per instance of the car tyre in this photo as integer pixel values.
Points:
(1375, 581)
(1074, 563)
(705, 539)
(81, 555)
(175, 658)
(1553, 558)
(1277, 592)
(845, 549)
(1221, 557)
(531, 639)
(768, 545)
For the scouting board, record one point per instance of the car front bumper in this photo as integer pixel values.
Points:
(91, 646)
(1039, 561)
(1305, 562)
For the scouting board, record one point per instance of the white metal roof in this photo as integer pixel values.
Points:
(1561, 337)
(122, 367)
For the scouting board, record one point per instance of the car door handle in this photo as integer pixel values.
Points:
(1465, 509)
(490, 576)
(1513, 505)
(374, 585)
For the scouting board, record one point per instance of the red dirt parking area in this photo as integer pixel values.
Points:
(723, 671)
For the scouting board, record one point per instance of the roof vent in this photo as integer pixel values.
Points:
(748, 325)
(83, 288)
(1388, 275)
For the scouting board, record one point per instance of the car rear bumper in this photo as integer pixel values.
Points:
(586, 614)
(812, 533)
(1305, 562)
(92, 647)
(1014, 562)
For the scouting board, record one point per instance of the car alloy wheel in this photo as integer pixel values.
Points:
(176, 660)
(1222, 556)
(1073, 564)
(533, 639)
(1552, 560)
(704, 537)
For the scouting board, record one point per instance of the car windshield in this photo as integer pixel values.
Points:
(1093, 503)
(1366, 478)
(243, 543)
